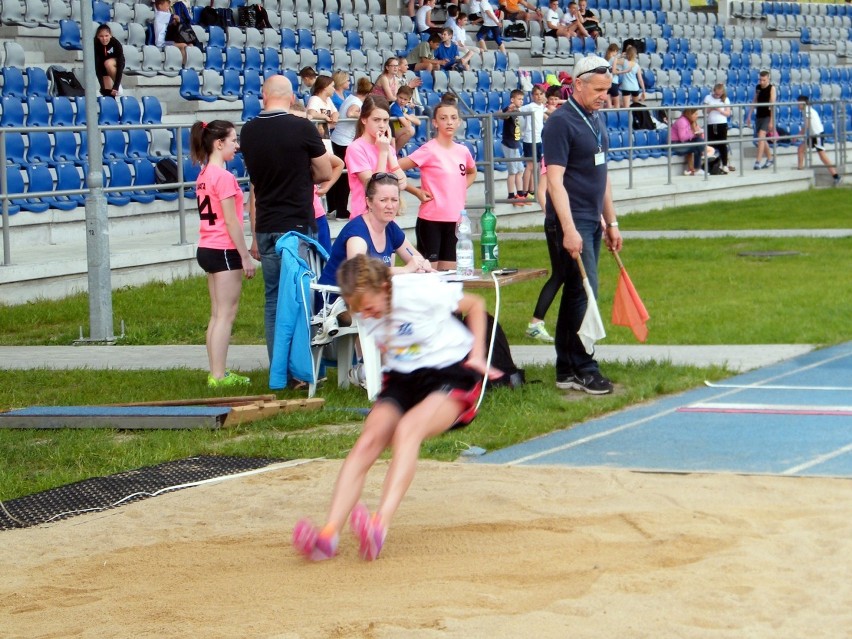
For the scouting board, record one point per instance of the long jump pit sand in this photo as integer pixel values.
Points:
(475, 551)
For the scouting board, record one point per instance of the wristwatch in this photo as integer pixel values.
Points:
(610, 225)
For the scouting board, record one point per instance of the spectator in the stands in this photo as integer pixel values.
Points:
(632, 83)
(474, 15)
(422, 57)
(448, 52)
(492, 27)
(109, 61)
(412, 81)
(613, 56)
(320, 107)
(687, 129)
(571, 19)
(591, 23)
(514, 10)
(552, 26)
(765, 96)
(341, 87)
(387, 84)
(423, 18)
(457, 21)
(307, 76)
(166, 26)
(402, 119)
(717, 123)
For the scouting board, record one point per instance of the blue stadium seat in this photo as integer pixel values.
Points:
(101, 13)
(190, 174)
(83, 150)
(14, 185)
(119, 176)
(306, 39)
(288, 39)
(68, 179)
(64, 147)
(325, 64)
(190, 86)
(353, 40)
(428, 82)
(114, 145)
(252, 83)
(216, 37)
(473, 129)
(131, 110)
(63, 112)
(38, 113)
(501, 61)
(152, 110)
(13, 83)
(231, 85)
(13, 111)
(252, 60)
(251, 107)
(495, 101)
(37, 82)
(108, 110)
(480, 101)
(334, 21)
(137, 143)
(40, 181)
(144, 172)
(214, 58)
(615, 141)
(15, 148)
(148, 195)
(69, 35)
(233, 60)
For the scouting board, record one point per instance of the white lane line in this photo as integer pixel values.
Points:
(770, 409)
(761, 387)
(818, 460)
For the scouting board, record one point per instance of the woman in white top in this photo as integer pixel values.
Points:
(320, 105)
(717, 123)
(434, 366)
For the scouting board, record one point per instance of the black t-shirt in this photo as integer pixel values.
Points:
(570, 139)
(511, 132)
(762, 97)
(278, 149)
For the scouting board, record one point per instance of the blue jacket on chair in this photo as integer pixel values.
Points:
(291, 354)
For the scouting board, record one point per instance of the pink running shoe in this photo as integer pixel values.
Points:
(372, 538)
(308, 542)
(358, 519)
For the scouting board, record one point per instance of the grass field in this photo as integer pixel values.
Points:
(712, 291)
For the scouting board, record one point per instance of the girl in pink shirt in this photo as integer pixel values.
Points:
(323, 231)
(447, 170)
(371, 152)
(222, 251)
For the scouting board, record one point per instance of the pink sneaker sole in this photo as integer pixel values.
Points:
(307, 542)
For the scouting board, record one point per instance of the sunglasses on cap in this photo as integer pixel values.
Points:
(381, 176)
(598, 70)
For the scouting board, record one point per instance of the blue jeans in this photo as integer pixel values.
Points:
(270, 263)
(571, 355)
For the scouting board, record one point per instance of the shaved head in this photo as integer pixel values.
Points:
(277, 92)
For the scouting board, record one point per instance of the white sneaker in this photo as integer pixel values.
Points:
(538, 331)
(357, 376)
(699, 172)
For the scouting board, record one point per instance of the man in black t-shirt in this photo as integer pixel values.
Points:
(285, 157)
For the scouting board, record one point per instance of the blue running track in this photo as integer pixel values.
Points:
(792, 418)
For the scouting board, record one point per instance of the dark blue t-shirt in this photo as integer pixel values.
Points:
(394, 238)
(570, 138)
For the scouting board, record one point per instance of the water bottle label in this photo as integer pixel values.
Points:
(464, 262)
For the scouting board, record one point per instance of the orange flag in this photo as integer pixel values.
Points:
(627, 309)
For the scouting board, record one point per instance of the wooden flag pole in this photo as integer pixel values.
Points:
(617, 260)
(579, 259)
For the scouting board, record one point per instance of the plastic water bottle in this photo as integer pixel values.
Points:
(488, 241)
(464, 247)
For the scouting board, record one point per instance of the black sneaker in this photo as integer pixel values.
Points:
(566, 382)
(591, 383)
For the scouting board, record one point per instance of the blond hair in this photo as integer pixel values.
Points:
(359, 275)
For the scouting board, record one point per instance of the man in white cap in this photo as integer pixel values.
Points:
(579, 194)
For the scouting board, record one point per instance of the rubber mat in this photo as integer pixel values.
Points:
(102, 493)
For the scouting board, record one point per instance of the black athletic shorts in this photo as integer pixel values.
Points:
(436, 241)
(218, 260)
(406, 390)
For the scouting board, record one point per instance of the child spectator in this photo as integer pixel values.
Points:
(554, 99)
(532, 126)
(403, 121)
(491, 27)
(308, 76)
(573, 23)
(511, 144)
(167, 27)
(591, 23)
(423, 18)
(460, 36)
(109, 61)
(422, 57)
(813, 138)
(448, 52)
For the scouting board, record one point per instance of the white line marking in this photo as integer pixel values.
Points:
(810, 388)
(618, 429)
(818, 460)
(771, 408)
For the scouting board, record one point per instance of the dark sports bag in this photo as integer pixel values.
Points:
(639, 43)
(515, 30)
(209, 18)
(65, 83)
(501, 358)
(642, 119)
(166, 172)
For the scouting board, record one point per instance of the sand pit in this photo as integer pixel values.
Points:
(476, 551)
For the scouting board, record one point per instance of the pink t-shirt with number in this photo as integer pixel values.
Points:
(319, 211)
(443, 174)
(214, 185)
(362, 155)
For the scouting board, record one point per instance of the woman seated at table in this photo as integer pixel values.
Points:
(375, 233)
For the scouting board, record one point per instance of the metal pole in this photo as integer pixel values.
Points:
(490, 194)
(4, 189)
(97, 218)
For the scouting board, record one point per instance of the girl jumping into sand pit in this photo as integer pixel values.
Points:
(433, 370)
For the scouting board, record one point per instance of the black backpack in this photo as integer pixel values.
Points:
(515, 30)
(642, 119)
(166, 172)
(501, 358)
(65, 83)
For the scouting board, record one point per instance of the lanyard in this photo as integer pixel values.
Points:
(593, 129)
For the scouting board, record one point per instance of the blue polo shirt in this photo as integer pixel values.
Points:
(570, 138)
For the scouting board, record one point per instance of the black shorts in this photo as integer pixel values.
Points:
(817, 143)
(218, 260)
(436, 241)
(613, 90)
(406, 390)
(633, 93)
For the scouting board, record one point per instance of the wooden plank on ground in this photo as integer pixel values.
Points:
(120, 417)
(205, 401)
(253, 412)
